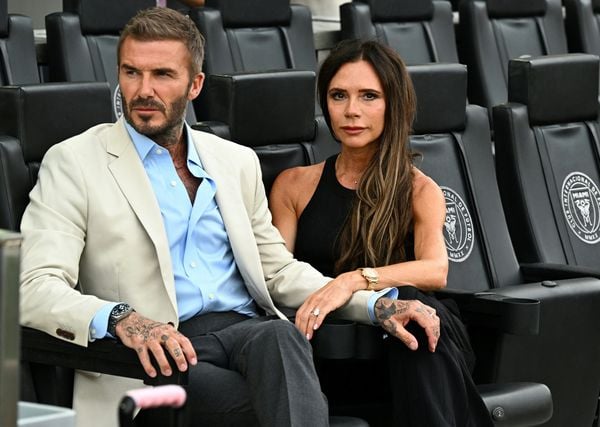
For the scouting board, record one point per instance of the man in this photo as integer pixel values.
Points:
(167, 233)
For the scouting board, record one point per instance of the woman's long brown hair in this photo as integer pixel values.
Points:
(381, 216)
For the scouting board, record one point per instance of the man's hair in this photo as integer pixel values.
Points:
(159, 23)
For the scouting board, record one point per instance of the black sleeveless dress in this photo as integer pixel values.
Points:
(426, 389)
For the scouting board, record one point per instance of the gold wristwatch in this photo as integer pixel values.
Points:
(370, 274)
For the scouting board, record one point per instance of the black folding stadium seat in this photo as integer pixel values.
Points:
(82, 43)
(244, 36)
(494, 31)
(272, 113)
(454, 143)
(548, 148)
(582, 22)
(421, 31)
(18, 63)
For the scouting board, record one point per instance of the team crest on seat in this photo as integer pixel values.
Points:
(117, 102)
(458, 227)
(580, 199)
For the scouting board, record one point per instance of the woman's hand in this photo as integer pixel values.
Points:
(146, 336)
(394, 315)
(327, 299)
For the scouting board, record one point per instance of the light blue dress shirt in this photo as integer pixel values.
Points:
(206, 275)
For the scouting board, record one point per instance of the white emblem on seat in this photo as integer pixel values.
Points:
(580, 199)
(117, 103)
(458, 227)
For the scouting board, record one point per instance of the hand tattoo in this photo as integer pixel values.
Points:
(141, 329)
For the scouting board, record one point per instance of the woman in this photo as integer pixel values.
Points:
(370, 207)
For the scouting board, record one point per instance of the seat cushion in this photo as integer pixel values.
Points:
(263, 13)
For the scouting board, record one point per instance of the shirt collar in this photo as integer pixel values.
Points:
(144, 145)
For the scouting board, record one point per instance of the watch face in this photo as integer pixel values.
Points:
(370, 274)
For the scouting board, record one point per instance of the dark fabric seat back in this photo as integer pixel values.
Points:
(18, 63)
(32, 119)
(257, 110)
(582, 22)
(82, 43)
(455, 145)
(421, 31)
(253, 37)
(494, 31)
(548, 159)
(454, 142)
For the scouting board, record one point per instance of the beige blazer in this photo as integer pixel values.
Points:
(93, 219)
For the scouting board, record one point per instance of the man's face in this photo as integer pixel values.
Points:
(155, 82)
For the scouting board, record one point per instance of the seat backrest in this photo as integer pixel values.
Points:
(258, 111)
(582, 22)
(32, 119)
(18, 63)
(82, 43)
(454, 142)
(548, 159)
(494, 31)
(421, 31)
(244, 36)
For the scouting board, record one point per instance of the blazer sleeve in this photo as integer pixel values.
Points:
(54, 233)
(290, 281)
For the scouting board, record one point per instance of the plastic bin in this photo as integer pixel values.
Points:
(38, 415)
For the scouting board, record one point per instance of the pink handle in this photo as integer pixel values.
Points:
(164, 395)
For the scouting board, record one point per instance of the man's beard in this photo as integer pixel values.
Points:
(174, 116)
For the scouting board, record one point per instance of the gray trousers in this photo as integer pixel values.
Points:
(252, 371)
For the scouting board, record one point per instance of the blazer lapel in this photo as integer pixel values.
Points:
(130, 175)
(235, 219)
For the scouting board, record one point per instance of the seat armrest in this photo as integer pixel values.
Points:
(537, 272)
(517, 404)
(106, 356)
(517, 316)
(211, 126)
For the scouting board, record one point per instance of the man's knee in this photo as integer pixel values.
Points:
(281, 332)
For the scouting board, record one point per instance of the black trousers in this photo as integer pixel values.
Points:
(411, 388)
(252, 371)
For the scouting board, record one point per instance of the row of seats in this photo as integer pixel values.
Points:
(542, 311)
(273, 34)
(524, 316)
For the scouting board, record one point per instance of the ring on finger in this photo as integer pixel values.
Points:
(316, 311)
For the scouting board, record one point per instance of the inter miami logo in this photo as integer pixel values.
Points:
(458, 227)
(117, 102)
(581, 206)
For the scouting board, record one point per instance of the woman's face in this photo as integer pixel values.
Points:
(356, 104)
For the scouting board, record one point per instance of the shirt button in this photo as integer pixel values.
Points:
(193, 264)
(93, 331)
(158, 151)
(173, 183)
(211, 296)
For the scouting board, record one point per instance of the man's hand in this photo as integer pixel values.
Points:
(394, 315)
(146, 336)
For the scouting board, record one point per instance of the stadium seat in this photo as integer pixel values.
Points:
(547, 155)
(17, 49)
(82, 43)
(257, 111)
(454, 143)
(268, 35)
(494, 31)
(582, 22)
(421, 31)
